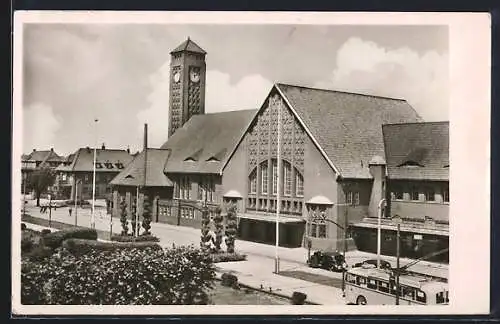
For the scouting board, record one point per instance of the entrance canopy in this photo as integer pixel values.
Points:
(319, 200)
(270, 218)
(421, 230)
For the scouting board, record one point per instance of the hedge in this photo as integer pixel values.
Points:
(178, 276)
(55, 240)
(82, 246)
(131, 238)
(227, 257)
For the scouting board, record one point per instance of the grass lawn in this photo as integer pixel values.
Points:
(104, 235)
(221, 295)
(311, 277)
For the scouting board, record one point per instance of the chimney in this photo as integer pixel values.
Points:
(145, 136)
(34, 150)
(103, 147)
(128, 149)
(52, 149)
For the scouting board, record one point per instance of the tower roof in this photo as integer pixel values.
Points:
(188, 46)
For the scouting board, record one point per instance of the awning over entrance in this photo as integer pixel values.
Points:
(270, 218)
(232, 194)
(404, 228)
(319, 200)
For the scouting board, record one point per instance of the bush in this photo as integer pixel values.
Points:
(54, 240)
(39, 253)
(46, 231)
(229, 280)
(23, 226)
(178, 276)
(298, 298)
(228, 257)
(78, 202)
(26, 244)
(130, 238)
(81, 246)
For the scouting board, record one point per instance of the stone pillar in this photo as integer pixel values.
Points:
(377, 170)
(154, 205)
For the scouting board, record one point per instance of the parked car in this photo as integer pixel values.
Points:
(373, 262)
(332, 261)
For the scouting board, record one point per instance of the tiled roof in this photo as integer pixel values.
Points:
(42, 157)
(189, 46)
(106, 160)
(418, 151)
(347, 126)
(133, 174)
(204, 143)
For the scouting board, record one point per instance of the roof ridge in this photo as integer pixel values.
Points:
(340, 91)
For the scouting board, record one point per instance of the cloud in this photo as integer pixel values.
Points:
(221, 95)
(40, 125)
(421, 79)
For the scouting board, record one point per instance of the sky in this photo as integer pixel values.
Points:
(119, 73)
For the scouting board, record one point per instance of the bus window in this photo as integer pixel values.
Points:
(383, 286)
(351, 278)
(440, 298)
(362, 281)
(421, 296)
(408, 292)
(372, 283)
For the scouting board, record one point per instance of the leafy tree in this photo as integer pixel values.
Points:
(232, 227)
(205, 229)
(123, 216)
(219, 229)
(39, 181)
(146, 215)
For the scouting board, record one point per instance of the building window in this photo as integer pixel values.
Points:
(429, 194)
(288, 178)
(446, 194)
(63, 176)
(414, 194)
(348, 197)
(253, 182)
(275, 177)
(185, 188)
(352, 198)
(299, 185)
(206, 189)
(86, 178)
(356, 198)
(264, 178)
(317, 222)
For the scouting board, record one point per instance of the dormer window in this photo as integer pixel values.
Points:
(119, 165)
(98, 165)
(410, 164)
(212, 159)
(108, 165)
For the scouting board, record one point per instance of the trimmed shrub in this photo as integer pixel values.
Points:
(26, 244)
(130, 238)
(54, 240)
(205, 239)
(23, 226)
(228, 257)
(46, 231)
(219, 229)
(146, 215)
(298, 298)
(82, 246)
(180, 276)
(39, 253)
(232, 228)
(229, 280)
(123, 216)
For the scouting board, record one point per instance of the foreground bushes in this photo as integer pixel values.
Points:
(79, 247)
(54, 240)
(131, 238)
(227, 257)
(148, 276)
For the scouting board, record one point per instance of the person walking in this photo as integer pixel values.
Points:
(70, 210)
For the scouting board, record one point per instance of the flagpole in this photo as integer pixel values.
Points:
(278, 194)
(92, 225)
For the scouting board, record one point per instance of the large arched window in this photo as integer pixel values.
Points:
(287, 178)
(253, 182)
(264, 178)
(299, 184)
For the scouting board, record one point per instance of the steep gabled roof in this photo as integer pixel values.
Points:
(42, 157)
(133, 174)
(188, 46)
(417, 151)
(347, 127)
(106, 160)
(203, 144)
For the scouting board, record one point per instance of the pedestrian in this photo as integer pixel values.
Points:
(70, 210)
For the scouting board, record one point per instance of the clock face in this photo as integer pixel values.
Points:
(177, 77)
(195, 75)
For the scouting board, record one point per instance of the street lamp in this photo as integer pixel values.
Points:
(92, 225)
(397, 219)
(76, 200)
(381, 205)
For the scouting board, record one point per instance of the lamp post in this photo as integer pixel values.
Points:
(92, 218)
(397, 220)
(381, 204)
(76, 200)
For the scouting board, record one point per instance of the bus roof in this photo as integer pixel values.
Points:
(404, 279)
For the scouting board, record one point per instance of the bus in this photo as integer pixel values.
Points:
(368, 285)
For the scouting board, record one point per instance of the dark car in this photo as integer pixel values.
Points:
(332, 261)
(383, 264)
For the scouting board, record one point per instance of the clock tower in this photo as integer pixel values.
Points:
(187, 84)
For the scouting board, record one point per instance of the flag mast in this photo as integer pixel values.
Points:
(278, 194)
